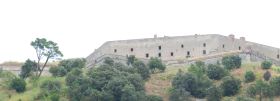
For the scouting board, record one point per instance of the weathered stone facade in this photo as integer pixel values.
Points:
(181, 48)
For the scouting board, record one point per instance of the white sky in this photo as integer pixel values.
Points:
(80, 26)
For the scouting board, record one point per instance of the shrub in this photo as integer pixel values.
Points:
(108, 61)
(215, 72)
(27, 69)
(251, 90)
(58, 71)
(249, 76)
(266, 75)
(142, 69)
(275, 85)
(179, 94)
(18, 84)
(131, 59)
(51, 86)
(214, 94)
(191, 83)
(156, 64)
(231, 62)
(69, 64)
(266, 65)
(230, 86)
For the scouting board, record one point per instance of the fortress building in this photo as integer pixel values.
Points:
(183, 49)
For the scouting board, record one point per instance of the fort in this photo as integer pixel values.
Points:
(184, 49)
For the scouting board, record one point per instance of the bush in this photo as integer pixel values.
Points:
(179, 94)
(251, 90)
(58, 71)
(266, 65)
(156, 64)
(51, 86)
(216, 72)
(69, 64)
(192, 83)
(18, 84)
(131, 59)
(230, 86)
(275, 85)
(142, 69)
(231, 62)
(214, 94)
(266, 75)
(249, 76)
(27, 69)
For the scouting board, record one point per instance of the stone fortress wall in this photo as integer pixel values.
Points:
(181, 48)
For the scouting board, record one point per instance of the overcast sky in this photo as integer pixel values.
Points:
(80, 26)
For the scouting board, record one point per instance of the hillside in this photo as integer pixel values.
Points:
(158, 84)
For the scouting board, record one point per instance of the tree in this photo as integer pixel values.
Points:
(27, 69)
(59, 71)
(108, 61)
(18, 84)
(249, 76)
(155, 63)
(261, 88)
(275, 85)
(192, 83)
(266, 75)
(131, 59)
(230, 86)
(142, 69)
(266, 65)
(216, 72)
(214, 94)
(231, 62)
(70, 64)
(179, 94)
(45, 50)
(198, 69)
(50, 89)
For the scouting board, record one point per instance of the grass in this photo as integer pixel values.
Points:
(32, 90)
(160, 83)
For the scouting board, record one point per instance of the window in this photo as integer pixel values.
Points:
(182, 46)
(115, 50)
(159, 47)
(223, 45)
(204, 44)
(147, 55)
(159, 54)
(171, 54)
(131, 49)
(188, 53)
(278, 56)
(204, 52)
(239, 48)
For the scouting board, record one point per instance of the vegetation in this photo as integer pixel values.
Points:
(194, 82)
(114, 81)
(44, 50)
(216, 72)
(66, 66)
(249, 76)
(267, 76)
(266, 64)
(231, 62)
(156, 64)
(230, 86)
(18, 84)
(214, 94)
(179, 94)
(27, 69)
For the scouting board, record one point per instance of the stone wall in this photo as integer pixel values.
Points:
(179, 48)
